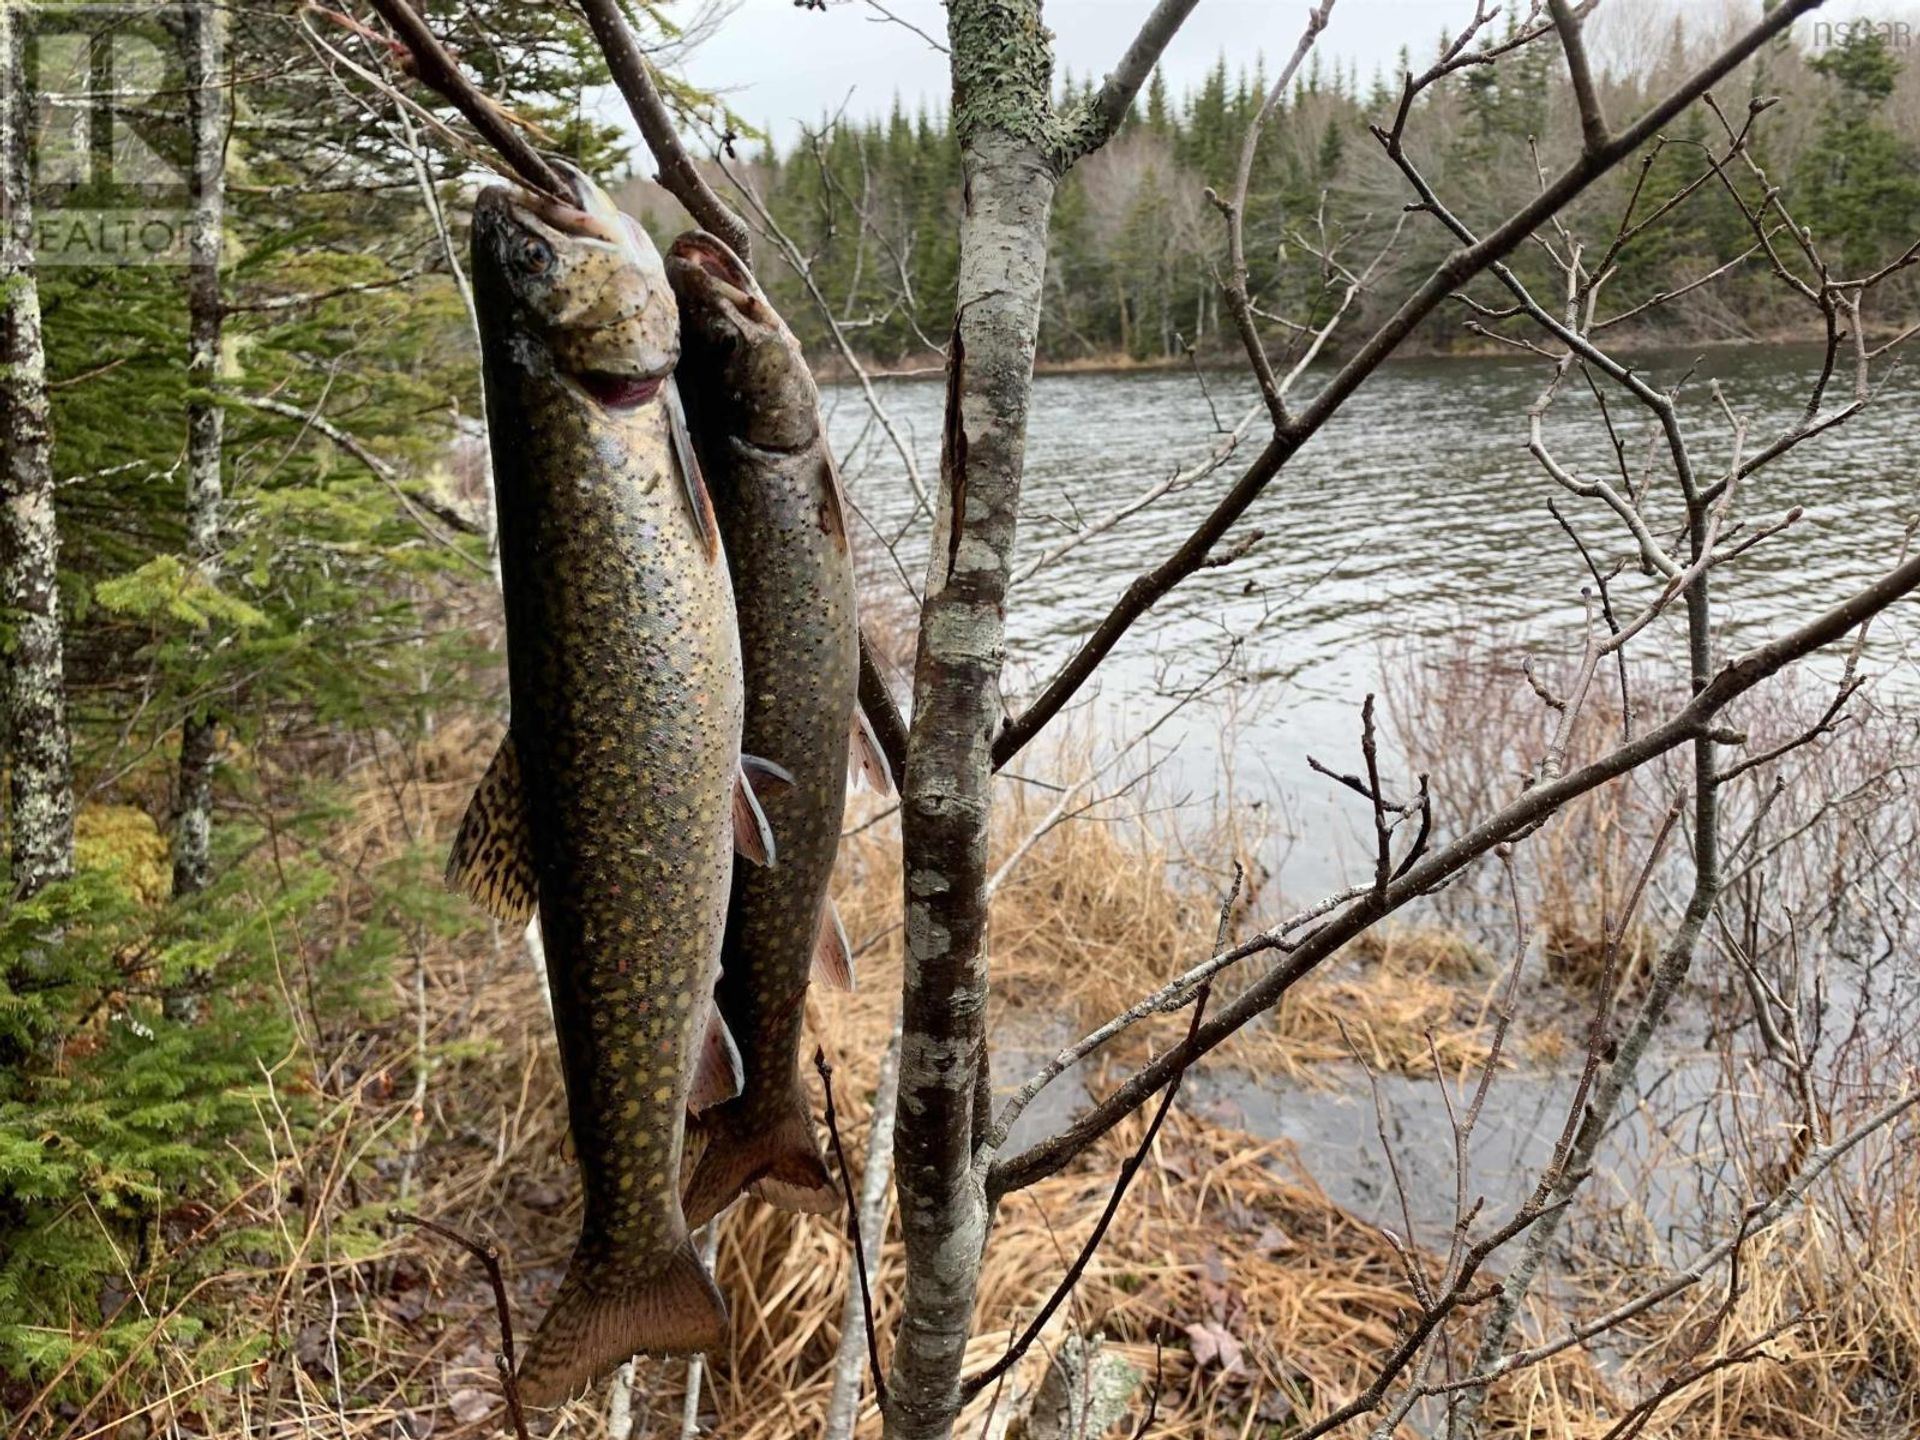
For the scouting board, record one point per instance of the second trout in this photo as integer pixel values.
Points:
(754, 413)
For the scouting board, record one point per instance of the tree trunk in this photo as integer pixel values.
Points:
(1001, 67)
(41, 761)
(203, 43)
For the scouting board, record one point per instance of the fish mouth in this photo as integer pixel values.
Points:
(721, 267)
(584, 214)
(573, 221)
(620, 392)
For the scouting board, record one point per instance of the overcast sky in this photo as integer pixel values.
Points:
(780, 65)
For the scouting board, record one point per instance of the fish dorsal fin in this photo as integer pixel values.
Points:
(832, 956)
(688, 464)
(752, 836)
(833, 505)
(865, 757)
(717, 1071)
(492, 858)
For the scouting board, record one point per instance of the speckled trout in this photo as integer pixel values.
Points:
(754, 413)
(617, 799)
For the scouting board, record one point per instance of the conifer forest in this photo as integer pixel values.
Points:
(1147, 747)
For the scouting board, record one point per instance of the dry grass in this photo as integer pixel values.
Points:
(1269, 1303)
(1831, 1299)
(368, 1328)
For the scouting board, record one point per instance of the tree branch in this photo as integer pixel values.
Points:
(416, 506)
(678, 174)
(1593, 124)
(436, 70)
(1092, 124)
(1458, 268)
(1693, 721)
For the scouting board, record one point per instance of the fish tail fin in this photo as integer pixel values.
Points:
(780, 1163)
(601, 1319)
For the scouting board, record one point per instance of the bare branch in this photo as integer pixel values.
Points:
(853, 1226)
(1758, 1217)
(488, 1255)
(417, 506)
(1128, 1169)
(678, 174)
(1092, 124)
(1593, 124)
(1692, 722)
(438, 72)
(1462, 265)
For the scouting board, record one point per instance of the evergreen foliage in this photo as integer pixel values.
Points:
(338, 626)
(874, 204)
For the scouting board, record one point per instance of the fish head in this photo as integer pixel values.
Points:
(585, 289)
(734, 338)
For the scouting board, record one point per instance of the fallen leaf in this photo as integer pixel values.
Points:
(1217, 1346)
(470, 1406)
(1276, 1241)
(312, 1350)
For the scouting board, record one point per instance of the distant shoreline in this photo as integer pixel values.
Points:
(832, 370)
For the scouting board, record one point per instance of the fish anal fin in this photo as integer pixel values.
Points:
(865, 758)
(752, 835)
(741, 1154)
(832, 956)
(688, 464)
(492, 857)
(814, 1197)
(601, 1318)
(717, 1071)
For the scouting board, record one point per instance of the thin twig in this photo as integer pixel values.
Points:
(1128, 1169)
(679, 176)
(487, 1254)
(853, 1225)
(438, 72)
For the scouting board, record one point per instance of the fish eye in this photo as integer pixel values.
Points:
(533, 254)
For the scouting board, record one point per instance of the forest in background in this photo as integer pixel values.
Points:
(872, 204)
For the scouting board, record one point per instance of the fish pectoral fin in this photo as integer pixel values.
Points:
(603, 1316)
(717, 1071)
(833, 504)
(491, 862)
(767, 777)
(865, 758)
(691, 478)
(832, 956)
(752, 835)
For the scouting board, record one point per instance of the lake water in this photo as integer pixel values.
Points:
(1414, 520)
(1417, 517)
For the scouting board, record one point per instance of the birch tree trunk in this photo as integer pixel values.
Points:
(1002, 68)
(203, 43)
(37, 744)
